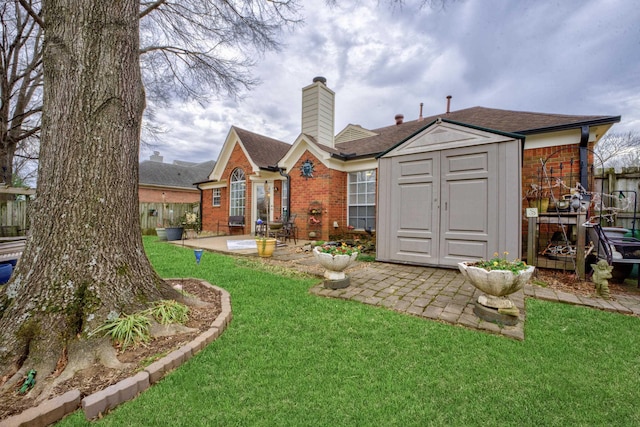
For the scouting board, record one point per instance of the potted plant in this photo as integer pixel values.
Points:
(191, 224)
(161, 232)
(335, 258)
(266, 246)
(497, 277)
(537, 197)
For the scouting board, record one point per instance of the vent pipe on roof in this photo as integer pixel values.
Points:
(399, 119)
(449, 103)
(420, 116)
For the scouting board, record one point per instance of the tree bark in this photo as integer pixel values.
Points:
(84, 259)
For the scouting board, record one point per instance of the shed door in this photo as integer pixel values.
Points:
(443, 205)
(469, 202)
(415, 210)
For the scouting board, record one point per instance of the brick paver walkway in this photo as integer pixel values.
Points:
(434, 293)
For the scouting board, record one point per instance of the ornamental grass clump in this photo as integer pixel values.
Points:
(501, 263)
(126, 330)
(169, 311)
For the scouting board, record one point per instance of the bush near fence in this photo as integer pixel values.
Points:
(155, 215)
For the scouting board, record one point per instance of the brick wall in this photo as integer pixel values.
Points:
(533, 173)
(326, 191)
(212, 214)
(154, 195)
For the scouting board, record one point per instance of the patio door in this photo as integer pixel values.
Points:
(262, 202)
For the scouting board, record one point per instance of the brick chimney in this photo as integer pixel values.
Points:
(399, 119)
(318, 107)
(156, 157)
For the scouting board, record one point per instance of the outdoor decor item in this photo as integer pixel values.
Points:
(498, 278)
(198, 254)
(174, 233)
(601, 274)
(266, 246)
(162, 233)
(335, 259)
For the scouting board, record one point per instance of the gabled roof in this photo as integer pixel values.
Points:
(506, 121)
(174, 175)
(264, 151)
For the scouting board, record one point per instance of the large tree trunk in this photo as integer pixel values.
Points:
(84, 258)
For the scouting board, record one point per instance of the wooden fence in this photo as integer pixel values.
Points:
(154, 215)
(624, 187)
(14, 220)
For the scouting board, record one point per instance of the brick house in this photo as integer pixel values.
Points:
(161, 182)
(330, 181)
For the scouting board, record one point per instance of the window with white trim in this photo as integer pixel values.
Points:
(362, 199)
(217, 196)
(237, 193)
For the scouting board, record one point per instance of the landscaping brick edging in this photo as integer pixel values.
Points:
(53, 410)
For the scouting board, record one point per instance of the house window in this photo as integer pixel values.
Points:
(238, 193)
(362, 199)
(216, 197)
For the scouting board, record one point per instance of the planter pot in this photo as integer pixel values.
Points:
(5, 272)
(497, 284)
(266, 246)
(174, 233)
(541, 204)
(162, 233)
(334, 264)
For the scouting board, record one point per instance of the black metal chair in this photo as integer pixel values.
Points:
(288, 230)
(622, 251)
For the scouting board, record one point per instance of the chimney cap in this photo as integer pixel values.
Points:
(320, 79)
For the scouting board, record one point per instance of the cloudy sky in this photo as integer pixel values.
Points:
(552, 56)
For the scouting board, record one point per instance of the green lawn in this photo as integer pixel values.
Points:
(294, 359)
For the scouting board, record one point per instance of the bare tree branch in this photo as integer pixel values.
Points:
(30, 11)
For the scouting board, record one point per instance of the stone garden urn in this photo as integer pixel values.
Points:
(496, 284)
(334, 264)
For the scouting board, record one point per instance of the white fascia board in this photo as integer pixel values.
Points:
(211, 185)
(167, 187)
(358, 165)
(565, 137)
(225, 154)
(298, 148)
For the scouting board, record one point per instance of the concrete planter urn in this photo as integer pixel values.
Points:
(497, 284)
(334, 264)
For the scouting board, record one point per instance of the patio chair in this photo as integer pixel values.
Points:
(619, 252)
(288, 230)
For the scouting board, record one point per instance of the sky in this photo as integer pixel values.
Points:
(549, 56)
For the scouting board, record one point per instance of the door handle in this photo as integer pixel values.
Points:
(445, 206)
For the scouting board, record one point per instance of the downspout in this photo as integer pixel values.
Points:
(286, 175)
(200, 208)
(584, 164)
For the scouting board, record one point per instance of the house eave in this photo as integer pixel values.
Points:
(596, 122)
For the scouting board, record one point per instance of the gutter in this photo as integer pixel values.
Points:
(197, 184)
(596, 122)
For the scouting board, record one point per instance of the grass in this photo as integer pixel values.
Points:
(290, 358)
